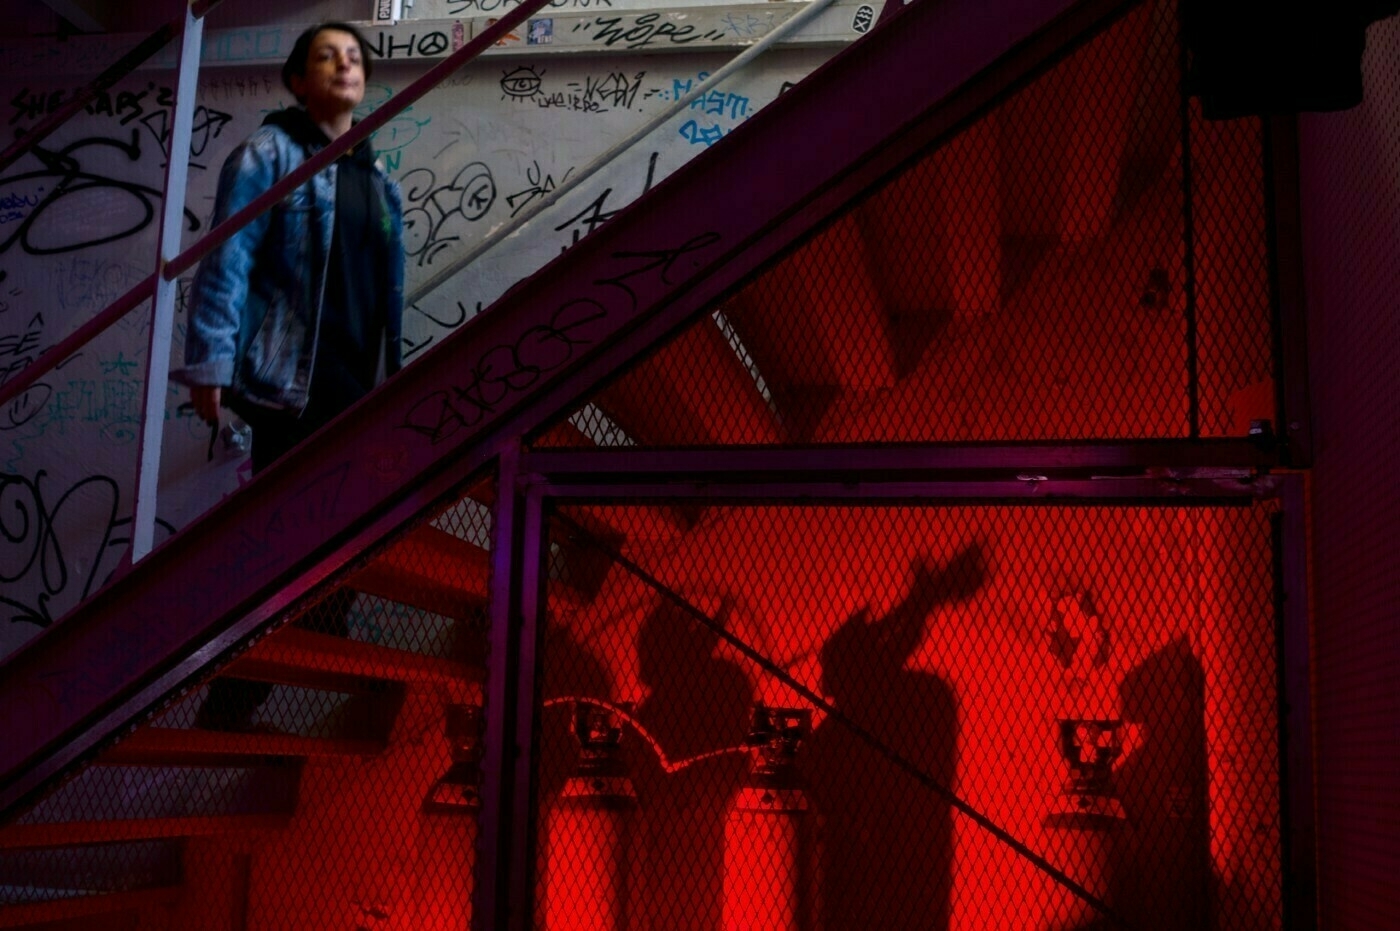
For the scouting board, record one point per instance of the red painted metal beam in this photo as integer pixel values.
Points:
(72, 833)
(1158, 460)
(420, 437)
(88, 906)
(429, 569)
(292, 653)
(172, 746)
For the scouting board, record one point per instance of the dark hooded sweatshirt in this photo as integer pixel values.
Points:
(351, 336)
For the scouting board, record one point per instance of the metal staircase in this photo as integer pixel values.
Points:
(420, 438)
(114, 684)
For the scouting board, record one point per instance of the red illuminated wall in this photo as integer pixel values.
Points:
(359, 852)
(1351, 215)
(1038, 276)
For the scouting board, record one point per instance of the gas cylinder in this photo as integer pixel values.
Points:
(448, 827)
(1084, 820)
(770, 856)
(586, 828)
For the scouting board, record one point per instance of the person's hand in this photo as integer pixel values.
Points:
(205, 399)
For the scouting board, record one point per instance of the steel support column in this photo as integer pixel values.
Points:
(504, 863)
(1288, 292)
(163, 318)
(531, 556)
(1298, 796)
(498, 740)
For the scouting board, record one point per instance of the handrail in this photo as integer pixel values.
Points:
(52, 357)
(118, 70)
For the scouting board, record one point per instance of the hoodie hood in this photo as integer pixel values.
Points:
(297, 123)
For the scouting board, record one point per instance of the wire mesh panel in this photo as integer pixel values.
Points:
(1057, 269)
(328, 778)
(387, 841)
(953, 717)
(1232, 289)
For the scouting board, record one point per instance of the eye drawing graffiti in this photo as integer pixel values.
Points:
(521, 83)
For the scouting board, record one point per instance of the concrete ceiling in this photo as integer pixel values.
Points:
(63, 17)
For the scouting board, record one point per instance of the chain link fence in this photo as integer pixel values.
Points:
(1085, 260)
(914, 717)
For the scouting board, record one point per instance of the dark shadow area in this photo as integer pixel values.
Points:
(887, 844)
(232, 703)
(1161, 876)
(567, 669)
(698, 704)
(1021, 256)
(805, 407)
(912, 333)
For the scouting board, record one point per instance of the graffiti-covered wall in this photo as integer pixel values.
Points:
(80, 211)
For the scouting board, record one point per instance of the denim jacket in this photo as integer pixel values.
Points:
(255, 306)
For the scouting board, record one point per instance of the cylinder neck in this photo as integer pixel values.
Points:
(1091, 747)
(599, 734)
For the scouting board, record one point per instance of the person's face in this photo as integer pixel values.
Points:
(335, 74)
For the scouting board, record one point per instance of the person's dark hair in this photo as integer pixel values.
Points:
(295, 65)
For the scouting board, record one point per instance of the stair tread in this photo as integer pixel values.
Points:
(437, 571)
(281, 656)
(173, 746)
(429, 569)
(107, 903)
(69, 833)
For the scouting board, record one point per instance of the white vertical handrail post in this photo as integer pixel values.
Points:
(163, 317)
